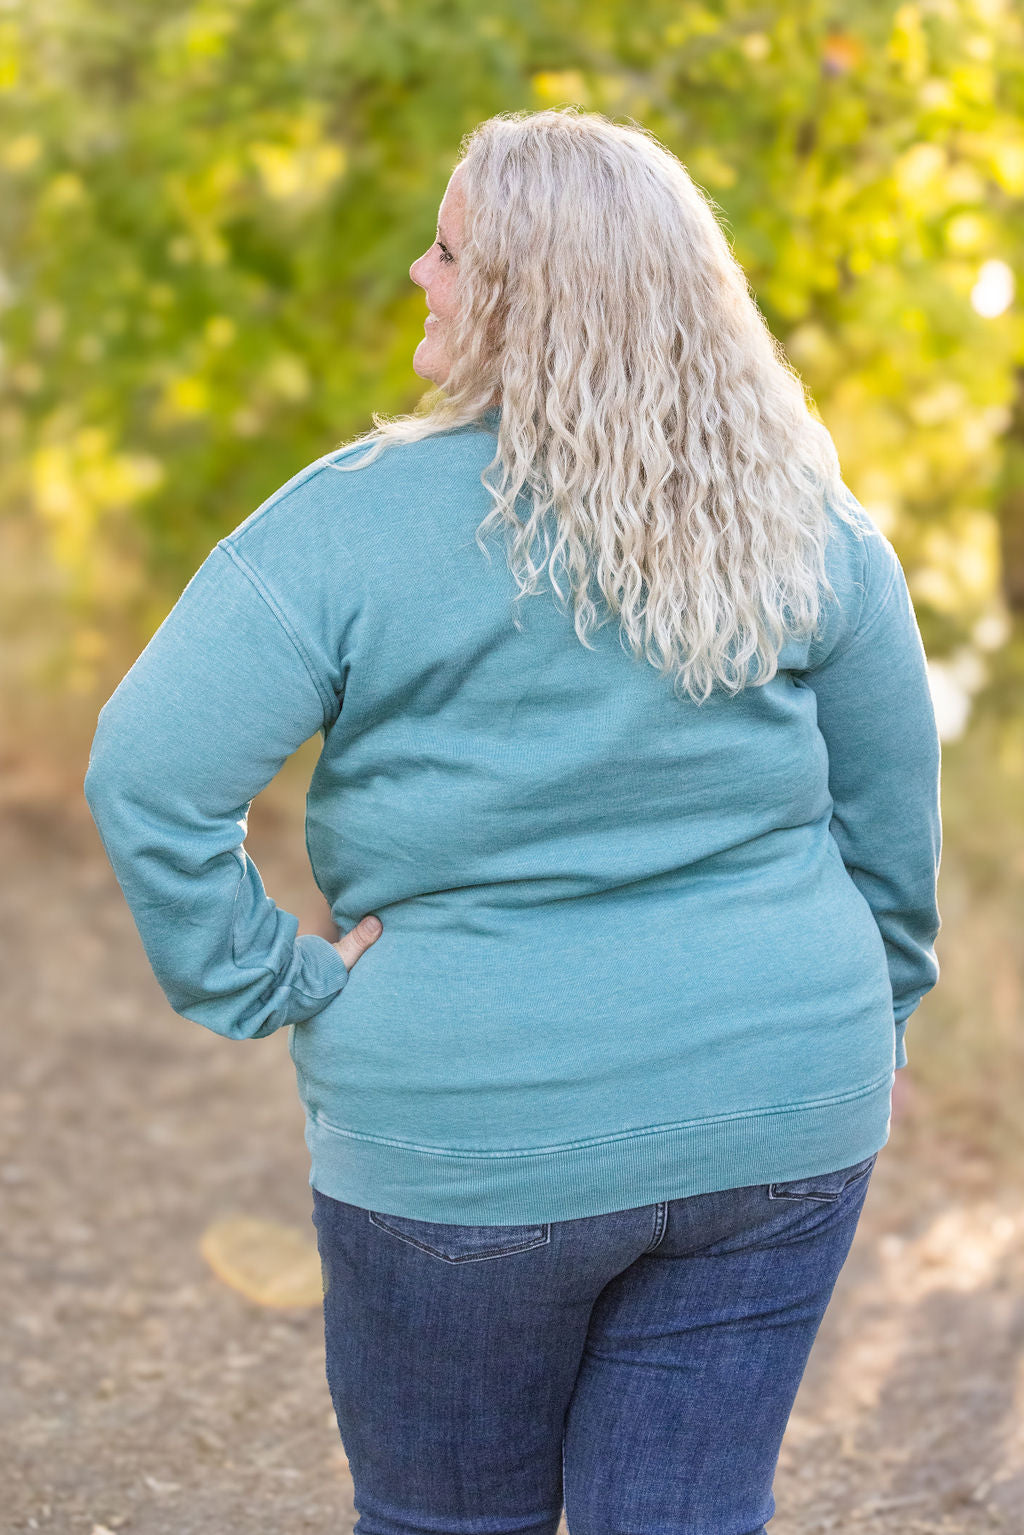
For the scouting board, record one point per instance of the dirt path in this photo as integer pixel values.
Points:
(142, 1394)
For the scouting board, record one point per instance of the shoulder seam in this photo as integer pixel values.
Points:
(872, 621)
(298, 482)
(327, 695)
(859, 632)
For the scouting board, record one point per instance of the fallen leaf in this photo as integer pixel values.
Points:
(268, 1263)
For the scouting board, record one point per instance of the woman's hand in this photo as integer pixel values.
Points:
(358, 939)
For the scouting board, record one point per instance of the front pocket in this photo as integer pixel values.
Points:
(826, 1186)
(462, 1244)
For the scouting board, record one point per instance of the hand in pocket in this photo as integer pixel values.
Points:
(358, 939)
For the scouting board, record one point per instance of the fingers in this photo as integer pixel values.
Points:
(359, 938)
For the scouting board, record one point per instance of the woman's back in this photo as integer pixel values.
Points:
(634, 947)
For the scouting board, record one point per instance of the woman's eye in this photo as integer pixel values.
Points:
(446, 255)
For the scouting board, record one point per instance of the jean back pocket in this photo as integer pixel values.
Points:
(824, 1186)
(462, 1244)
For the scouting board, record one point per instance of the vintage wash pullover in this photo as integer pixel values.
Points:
(633, 948)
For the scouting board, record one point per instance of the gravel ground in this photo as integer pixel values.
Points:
(141, 1393)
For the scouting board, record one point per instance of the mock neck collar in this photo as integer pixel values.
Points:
(491, 417)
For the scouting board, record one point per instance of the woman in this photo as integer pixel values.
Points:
(592, 1120)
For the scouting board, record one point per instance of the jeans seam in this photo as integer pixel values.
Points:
(660, 1224)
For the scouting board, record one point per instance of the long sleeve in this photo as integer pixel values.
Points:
(206, 717)
(876, 715)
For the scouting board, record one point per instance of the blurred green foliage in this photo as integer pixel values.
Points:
(208, 213)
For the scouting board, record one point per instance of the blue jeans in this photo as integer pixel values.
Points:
(638, 1367)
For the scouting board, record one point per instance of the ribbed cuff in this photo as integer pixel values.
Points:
(321, 975)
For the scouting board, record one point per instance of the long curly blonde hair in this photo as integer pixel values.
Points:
(643, 400)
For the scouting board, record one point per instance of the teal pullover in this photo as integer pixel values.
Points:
(633, 948)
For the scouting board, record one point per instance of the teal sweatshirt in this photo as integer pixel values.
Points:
(633, 948)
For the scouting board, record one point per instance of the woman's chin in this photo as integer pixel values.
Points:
(427, 365)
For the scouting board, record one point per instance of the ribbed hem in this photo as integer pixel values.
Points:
(621, 1171)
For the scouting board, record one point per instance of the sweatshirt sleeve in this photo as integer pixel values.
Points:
(876, 715)
(206, 717)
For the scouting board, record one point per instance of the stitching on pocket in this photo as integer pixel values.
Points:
(462, 1244)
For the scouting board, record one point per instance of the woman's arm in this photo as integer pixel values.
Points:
(206, 717)
(875, 712)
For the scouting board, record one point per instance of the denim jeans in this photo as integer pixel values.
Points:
(637, 1367)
